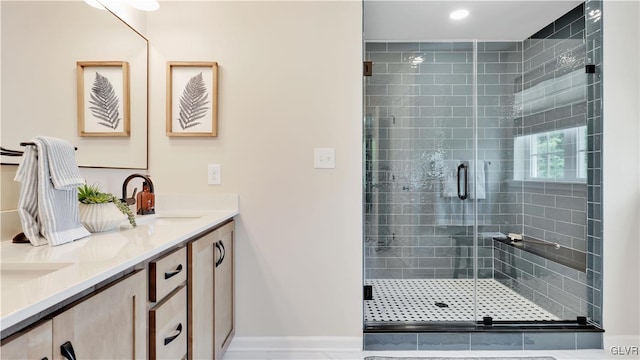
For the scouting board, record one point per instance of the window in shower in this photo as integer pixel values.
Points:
(558, 155)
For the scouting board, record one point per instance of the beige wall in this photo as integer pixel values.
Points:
(621, 314)
(289, 81)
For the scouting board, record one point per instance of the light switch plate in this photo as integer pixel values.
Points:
(324, 158)
(213, 174)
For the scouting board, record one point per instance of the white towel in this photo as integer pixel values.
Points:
(450, 179)
(48, 201)
(477, 176)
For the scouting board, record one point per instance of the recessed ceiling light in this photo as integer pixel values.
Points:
(459, 14)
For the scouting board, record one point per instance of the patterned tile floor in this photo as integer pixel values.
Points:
(417, 300)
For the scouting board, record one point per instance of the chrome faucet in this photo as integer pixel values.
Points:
(132, 199)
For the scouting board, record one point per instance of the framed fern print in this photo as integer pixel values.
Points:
(192, 98)
(103, 98)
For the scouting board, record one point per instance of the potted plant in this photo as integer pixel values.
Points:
(101, 211)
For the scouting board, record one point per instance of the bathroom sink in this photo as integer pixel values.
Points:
(161, 219)
(17, 273)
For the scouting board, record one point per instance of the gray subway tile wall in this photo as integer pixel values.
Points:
(444, 341)
(496, 341)
(432, 341)
(593, 31)
(419, 109)
(556, 211)
(428, 130)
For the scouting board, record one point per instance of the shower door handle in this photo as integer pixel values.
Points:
(465, 168)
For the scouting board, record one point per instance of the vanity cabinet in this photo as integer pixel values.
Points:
(178, 304)
(168, 306)
(36, 343)
(211, 293)
(110, 324)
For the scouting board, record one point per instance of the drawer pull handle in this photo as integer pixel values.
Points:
(219, 261)
(167, 275)
(45, 358)
(176, 333)
(66, 350)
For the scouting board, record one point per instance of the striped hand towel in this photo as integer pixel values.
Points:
(48, 200)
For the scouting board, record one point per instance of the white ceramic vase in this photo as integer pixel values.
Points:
(101, 217)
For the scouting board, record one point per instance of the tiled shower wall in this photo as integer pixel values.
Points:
(554, 211)
(554, 63)
(593, 21)
(419, 119)
(419, 127)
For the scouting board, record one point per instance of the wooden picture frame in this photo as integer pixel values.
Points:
(192, 98)
(103, 98)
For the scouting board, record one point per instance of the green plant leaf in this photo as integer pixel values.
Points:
(91, 194)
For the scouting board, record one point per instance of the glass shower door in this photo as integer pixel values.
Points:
(466, 143)
(421, 172)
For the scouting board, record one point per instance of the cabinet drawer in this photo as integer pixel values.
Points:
(166, 274)
(33, 344)
(168, 327)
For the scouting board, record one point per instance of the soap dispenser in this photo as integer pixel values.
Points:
(145, 201)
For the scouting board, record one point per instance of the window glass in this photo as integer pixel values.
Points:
(552, 155)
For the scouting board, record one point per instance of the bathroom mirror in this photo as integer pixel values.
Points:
(41, 43)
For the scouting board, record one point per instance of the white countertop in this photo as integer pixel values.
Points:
(87, 262)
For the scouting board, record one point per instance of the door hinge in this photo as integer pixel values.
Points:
(368, 292)
(367, 68)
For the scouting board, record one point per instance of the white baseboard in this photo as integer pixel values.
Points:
(295, 343)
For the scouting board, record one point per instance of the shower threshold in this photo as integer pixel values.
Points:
(502, 326)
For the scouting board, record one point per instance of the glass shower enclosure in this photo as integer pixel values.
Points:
(475, 181)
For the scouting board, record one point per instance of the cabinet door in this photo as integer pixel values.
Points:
(35, 344)
(224, 291)
(109, 325)
(201, 257)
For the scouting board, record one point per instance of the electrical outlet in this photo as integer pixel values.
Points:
(214, 174)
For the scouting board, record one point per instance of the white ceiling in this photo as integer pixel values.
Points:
(398, 20)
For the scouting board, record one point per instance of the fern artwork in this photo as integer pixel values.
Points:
(192, 95)
(103, 98)
(105, 103)
(193, 103)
